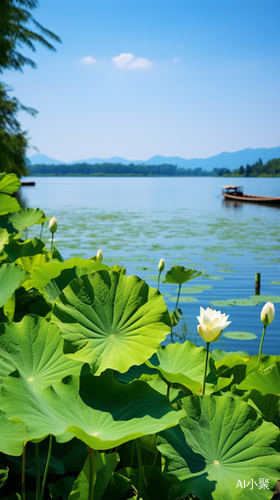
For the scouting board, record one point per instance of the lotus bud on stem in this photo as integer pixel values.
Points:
(160, 269)
(211, 325)
(52, 228)
(267, 316)
(99, 255)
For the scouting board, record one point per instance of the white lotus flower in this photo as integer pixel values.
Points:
(211, 324)
(53, 225)
(161, 265)
(268, 313)
(99, 255)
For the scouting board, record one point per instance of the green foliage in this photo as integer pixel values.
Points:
(111, 321)
(15, 31)
(180, 275)
(219, 442)
(270, 169)
(81, 361)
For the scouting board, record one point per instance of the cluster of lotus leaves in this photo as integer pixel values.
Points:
(94, 369)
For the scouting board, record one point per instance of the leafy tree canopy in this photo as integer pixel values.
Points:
(18, 29)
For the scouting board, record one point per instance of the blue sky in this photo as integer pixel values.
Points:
(137, 78)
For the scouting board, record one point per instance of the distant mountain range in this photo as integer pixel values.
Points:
(223, 160)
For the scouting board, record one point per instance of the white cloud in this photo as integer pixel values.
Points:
(176, 59)
(129, 61)
(88, 60)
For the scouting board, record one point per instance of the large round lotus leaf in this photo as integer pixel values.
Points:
(266, 381)
(4, 238)
(26, 217)
(265, 362)
(219, 442)
(11, 277)
(240, 335)
(111, 321)
(16, 249)
(42, 276)
(34, 348)
(180, 275)
(52, 289)
(9, 183)
(265, 298)
(8, 204)
(218, 354)
(109, 414)
(30, 263)
(183, 299)
(181, 364)
(235, 302)
(12, 436)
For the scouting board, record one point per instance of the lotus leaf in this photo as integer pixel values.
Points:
(265, 298)
(155, 486)
(180, 275)
(30, 263)
(34, 348)
(195, 289)
(52, 289)
(11, 277)
(50, 270)
(220, 441)
(267, 405)
(218, 354)
(9, 183)
(26, 217)
(240, 335)
(9, 307)
(12, 437)
(104, 466)
(113, 413)
(111, 321)
(183, 299)
(17, 249)
(8, 204)
(3, 476)
(235, 302)
(4, 238)
(181, 364)
(266, 381)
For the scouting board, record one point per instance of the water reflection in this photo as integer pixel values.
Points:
(232, 205)
(19, 195)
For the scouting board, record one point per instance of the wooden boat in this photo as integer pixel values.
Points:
(28, 183)
(235, 193)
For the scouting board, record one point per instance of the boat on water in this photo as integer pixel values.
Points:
(235, 193)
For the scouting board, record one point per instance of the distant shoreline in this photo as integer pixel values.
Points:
(150, 175)
(258, 169)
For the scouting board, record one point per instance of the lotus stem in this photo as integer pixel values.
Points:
(205, 369)
(52, 245)
(154, 462)
(260, 351)
(26, 233)
(168, 389)
(132, 453)
(23, 497)
(91, 473)
(178, 296)
(47, 468)
(38, 476)
(41, 233)
(140, 470)
(158, 281)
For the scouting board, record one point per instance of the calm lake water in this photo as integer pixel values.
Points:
(137, 221)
